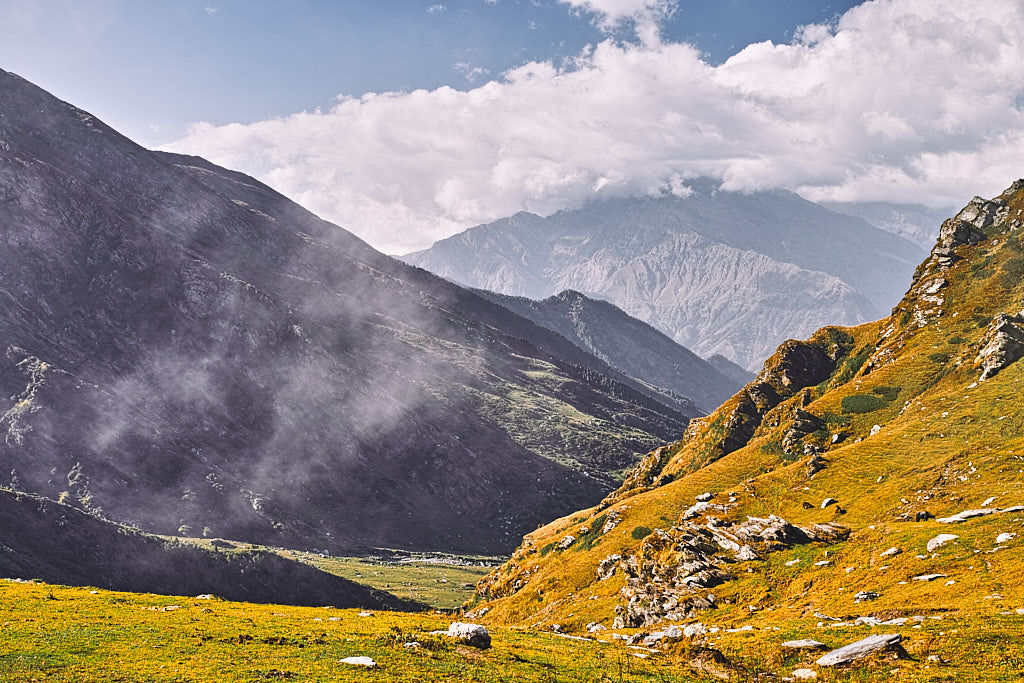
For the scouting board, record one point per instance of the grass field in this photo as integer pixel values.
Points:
(439, 581)
(55, 633)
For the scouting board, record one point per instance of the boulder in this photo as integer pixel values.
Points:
(923, 516)
(805, 674)
(475, 635)
(566, 542)
(860, 649)
(940, 540)
(705, 497)
(668, 635)
(1005, 537)
(358, 661)
(965, 515)
(828, 501)
(891, 552)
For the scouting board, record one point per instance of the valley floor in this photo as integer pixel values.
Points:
(57, 633)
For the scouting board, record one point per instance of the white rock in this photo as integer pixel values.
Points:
(828, 501)
(805, 674)
(694, 630)
(804, 644)
(988, 501)
(1005, 537)
(471, 634)
(940, 540)
(792, 562)
(860, 649)
(746, 553)
(965, 515)
(705, 497)
(890, 552)
(358, 661)
(566, 542)
(594, 627)
(930, 577)
(876, 429)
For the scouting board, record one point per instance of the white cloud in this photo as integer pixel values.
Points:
(436, 9)
(901, 100)
(470, 72)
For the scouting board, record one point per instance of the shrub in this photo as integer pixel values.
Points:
(547, 549)
(939, 357)
(863, 403)
(641, 532)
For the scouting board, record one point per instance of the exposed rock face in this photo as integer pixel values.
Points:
(669, 576)
(707, 269)
(1002, 345)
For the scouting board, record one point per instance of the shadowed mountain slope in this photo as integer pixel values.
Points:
(191, 352)
(632, 346)
(43, 539)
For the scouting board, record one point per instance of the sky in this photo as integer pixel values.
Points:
(408, 121)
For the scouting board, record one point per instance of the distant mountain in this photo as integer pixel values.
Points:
(191, 352)
(46, 540)
(632, 346)
(719, 272)
(730, 369)
(913, 222)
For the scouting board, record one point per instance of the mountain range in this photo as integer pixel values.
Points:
(189, 352)
(719, 272)
(625, 343)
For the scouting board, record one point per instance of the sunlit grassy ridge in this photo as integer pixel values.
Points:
(907, 427)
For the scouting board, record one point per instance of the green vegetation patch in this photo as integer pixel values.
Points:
(888, 393)
(641, 532)
(863, 403)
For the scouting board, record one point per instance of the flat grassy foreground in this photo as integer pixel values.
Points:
(57, 633)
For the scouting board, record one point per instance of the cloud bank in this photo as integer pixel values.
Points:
(900, 100)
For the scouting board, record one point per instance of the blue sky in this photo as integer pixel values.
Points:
(406, 122)
(152, 67)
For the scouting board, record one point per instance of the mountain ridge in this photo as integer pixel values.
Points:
(719, 272)
(188, 351)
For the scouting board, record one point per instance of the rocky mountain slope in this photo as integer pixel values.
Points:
(625, 343)
(191, 352)
(868, 478)
(46, 540)
(719, 272)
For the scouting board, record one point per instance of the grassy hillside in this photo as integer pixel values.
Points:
(890, 419)
(47, 540)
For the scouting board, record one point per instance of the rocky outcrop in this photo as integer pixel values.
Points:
(1002, 345)
(967, 227)
(671, 573)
